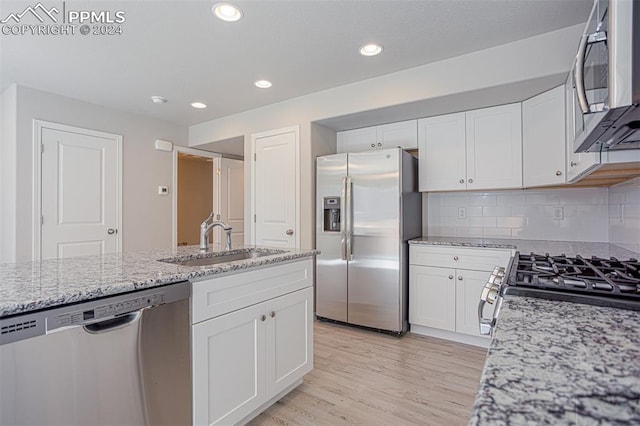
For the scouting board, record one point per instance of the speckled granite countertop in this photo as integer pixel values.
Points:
(31, 286)
(570, 248)
(561, 363)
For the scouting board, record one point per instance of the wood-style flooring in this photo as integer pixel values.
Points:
(368, 378)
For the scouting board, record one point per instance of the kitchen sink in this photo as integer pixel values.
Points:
(216, 258)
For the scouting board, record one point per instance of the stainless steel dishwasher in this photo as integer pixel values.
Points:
(120, 360)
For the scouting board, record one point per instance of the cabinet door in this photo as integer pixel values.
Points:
(469, 285)
(543, 139)
(357, 140)
(580, 163)
(403, 134)
(441, 144)
(432, 297)
(228, 366)
(289, 340)
(494, 147)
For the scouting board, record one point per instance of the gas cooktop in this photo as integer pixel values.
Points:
(597, 281)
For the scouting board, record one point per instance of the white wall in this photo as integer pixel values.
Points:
(8, 121)
(624, 215)
(526, 214)
(535, 57)
(146, 215)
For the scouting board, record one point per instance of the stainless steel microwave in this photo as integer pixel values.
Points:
(606, 79)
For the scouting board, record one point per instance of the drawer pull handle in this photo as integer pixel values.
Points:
(263, 317)
(272, 314)
(455, 258)
(459, 277)
(450, 277)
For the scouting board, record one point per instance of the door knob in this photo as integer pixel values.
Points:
(455, 257)
(461, 180)
(289, 232)
(558, 173)
(263, 317)
(272, 314)
(112, 231)
(470, 180)
(459, 277)
(450, 277)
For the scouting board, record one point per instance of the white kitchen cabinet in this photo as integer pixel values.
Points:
(445, 284)
(494, 147)
(432, 297)
(577, 163)
(229, 366)
(403, 134)
(543, 139)
(474, 150)
(252, 340)
(442, 153)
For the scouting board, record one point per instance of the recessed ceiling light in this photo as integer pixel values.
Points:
(227, 12)
(370, 49)
(198, 105)
(158, 99)
(263, 84)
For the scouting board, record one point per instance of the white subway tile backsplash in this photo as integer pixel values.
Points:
(624, 214)
(525, 214)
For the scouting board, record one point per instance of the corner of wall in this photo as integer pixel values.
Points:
(8, 169)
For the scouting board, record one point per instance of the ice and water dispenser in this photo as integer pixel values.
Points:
(331, 222)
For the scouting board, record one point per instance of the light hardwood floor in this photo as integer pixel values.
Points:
(367, 378)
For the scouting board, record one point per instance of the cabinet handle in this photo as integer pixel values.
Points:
(450, 277)
(455, 257)
(470, 180)
(373, 145)
(558, 173)
(263, 317)
(461, 180)
(272, 314)
(379, 143)
(459, 277)
(573, 164)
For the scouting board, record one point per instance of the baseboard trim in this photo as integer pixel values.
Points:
(482, 342)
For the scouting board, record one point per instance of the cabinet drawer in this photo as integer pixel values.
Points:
(217, 296)
(478, 259)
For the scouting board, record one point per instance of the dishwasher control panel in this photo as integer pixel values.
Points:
(109, 310)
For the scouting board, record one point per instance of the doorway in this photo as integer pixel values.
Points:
(206, 182)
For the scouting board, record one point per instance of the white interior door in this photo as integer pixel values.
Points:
(231, 208)
(275, 181)
(80, 191)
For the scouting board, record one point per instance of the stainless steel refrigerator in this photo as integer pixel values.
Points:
(368, 206)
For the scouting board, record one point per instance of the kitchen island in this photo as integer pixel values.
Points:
(32, 286)
(158, 337)
(554, 362)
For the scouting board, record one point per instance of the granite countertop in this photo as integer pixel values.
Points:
(570, 248)
(553, 362)
(31, 286)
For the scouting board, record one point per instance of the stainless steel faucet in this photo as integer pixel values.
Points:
(205, 227)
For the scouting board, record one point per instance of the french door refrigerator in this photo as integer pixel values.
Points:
(368, 206)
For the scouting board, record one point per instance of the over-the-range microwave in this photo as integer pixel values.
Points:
(606, 79)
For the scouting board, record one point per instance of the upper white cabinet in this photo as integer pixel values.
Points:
(543, 139)
(442, 153)
(475, 150)
(403, 134)
(582, 162)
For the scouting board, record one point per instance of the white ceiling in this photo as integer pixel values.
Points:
(177, 49)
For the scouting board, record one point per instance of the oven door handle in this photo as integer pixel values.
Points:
(485, 324)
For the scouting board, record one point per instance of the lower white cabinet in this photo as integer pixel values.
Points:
(443, 294)
(244, 358)
(252, 340)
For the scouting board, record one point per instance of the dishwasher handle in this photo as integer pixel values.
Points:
(112, 323)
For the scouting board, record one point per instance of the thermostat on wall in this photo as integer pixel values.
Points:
(163, 190)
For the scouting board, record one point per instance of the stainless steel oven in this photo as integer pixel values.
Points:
(606, 78)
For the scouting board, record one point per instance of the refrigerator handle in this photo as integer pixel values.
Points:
(349, 218)
(343, 219)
